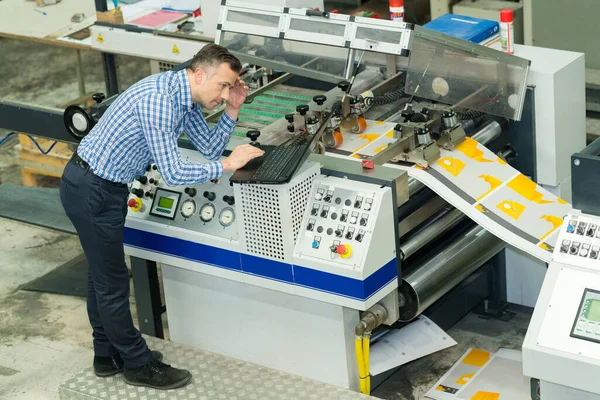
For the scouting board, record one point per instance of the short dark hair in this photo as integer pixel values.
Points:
(213, 55)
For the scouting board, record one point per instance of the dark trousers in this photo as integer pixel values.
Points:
(97, 209)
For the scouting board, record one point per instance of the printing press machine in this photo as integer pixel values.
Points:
(291, 276)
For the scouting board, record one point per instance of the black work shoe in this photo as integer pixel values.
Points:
(109, 366)
(157, 375)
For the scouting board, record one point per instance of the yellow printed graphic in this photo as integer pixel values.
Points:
(528, 189)
(561, 201)
(465, 378)
(453, 165)
(513, 209)
(547, 247)
(379, 122)
(486, 396)
(390, 134)
(380, 148)
(175, 49)
(100, 38)
(355, 156)
(469, 148)
(494, 183)
(370, 137)
(555, 221)
(501, 161)
(479, 207)
(476, 358)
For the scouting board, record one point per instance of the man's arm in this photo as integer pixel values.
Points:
(157, 120)
(209, 142)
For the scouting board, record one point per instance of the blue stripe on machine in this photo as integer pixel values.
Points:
(266, 268)
(183, 248)
(343, 285)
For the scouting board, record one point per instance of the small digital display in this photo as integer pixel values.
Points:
(165, 202)
(594, 311)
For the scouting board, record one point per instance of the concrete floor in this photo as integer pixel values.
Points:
(44, 338)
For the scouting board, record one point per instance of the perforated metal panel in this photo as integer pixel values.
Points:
(299, 194)
(262, 220)
(270, 216)
(161, 66)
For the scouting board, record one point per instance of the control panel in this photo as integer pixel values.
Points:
(587, 321)
(340, 220)
(579, 241)
(207, 208)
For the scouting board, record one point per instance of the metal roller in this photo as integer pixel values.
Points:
(426, 283)
(433, 231)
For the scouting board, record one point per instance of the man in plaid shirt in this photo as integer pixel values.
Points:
(141, 127)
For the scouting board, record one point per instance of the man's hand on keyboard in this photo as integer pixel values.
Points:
(240, 157)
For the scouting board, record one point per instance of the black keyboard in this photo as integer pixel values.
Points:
(279, 163)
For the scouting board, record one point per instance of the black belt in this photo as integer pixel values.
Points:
(79, 161)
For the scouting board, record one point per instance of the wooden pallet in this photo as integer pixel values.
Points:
(37, 164)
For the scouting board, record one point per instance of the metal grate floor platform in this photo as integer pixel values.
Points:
(214, 377)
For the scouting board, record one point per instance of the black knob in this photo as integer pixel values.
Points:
(425, 111)
(98, 97)
(338, 233)
(324, 214)
(357, 204)
(590, 232)
(344, 217)
(320, 99)
(209, 195)
(363, 221)
(358, 237)
(302, 109)
(344, 85)
(398, 128)
(327, 199)
(291, 128)
(310, 226)
(154, 167)
(151, 180)
(253, 134)
(142, 179)
(333, 248)
(289, 117)
(349, 235)
(593, 254)
(564, 248)
(148, 168)
(190, 191)
(138, 192)
(150, 195)
(314, 211)
(229, 200)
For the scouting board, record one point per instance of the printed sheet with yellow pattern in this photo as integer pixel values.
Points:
(483, 186)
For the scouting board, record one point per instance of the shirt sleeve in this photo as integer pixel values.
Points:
(157, 118)
(209, 142)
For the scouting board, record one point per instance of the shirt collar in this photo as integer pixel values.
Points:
(185, 89)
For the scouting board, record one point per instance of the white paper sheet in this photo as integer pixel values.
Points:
(502, 376)
(416, 340)
(459, 375)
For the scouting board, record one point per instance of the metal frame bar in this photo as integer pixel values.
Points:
(147, 297)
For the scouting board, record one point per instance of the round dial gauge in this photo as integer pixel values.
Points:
(188, 208)
(207, 212)
(227, 216)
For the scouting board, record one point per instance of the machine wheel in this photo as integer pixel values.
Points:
(78, 121)
(338, 138)
(361, 125)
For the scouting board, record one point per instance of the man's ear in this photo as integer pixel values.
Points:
(199, 76)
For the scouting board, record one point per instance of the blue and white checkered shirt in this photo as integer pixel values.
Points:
(142, 126)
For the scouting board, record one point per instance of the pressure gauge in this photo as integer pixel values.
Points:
(207, 212)
(188, 208)
(227, 216)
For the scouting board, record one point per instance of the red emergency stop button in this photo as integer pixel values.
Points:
(135, 204)
(344, 250)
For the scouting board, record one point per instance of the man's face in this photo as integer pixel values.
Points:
(214, 85)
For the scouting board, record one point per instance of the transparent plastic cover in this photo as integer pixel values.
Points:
(306, 59)
(465, 74)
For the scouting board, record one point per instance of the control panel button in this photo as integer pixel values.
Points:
(358, 202)
(190, 191)
(591, 231)
(564, 247)
(328, 196)
(581, 227)
(138, 192)
(344, 250)
(363, 219)
(319, 194)
(344, 216)
(368, 204)
(135, 204)
(315, 209)
(210, 196)
(325, 212)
